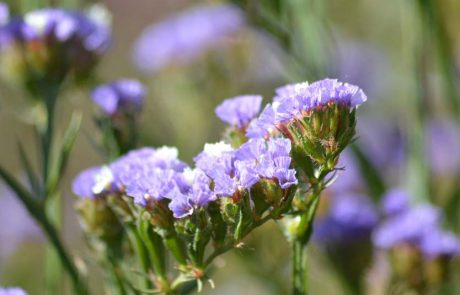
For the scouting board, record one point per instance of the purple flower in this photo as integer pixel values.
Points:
(68, 26)
(238, 111)
(12, 291)
(269, 159)
(263, 125)
(217, 161)
(120, 96)
(439, 243)
(350, 219)
(297, 100)
(183, 37)
(443, 144)
(191, 191)
(382, 143)
(146, 174)
(149, 185)
(83, 185)
(408, 227)
(395, 201)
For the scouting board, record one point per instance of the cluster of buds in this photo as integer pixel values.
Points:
(44, 47)
(318, 118)
(201, 212)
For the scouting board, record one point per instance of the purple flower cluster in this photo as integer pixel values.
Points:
(298, 100)
(240, 110)
(190, 190)
(233, 171)
(185, 36)
(150, 175)
(418, 226)
(120, 96)
(51, 25)
(350, 219)
(12, 291)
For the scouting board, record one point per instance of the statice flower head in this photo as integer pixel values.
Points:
(146, 174)
(46, 45)
(270, 159)
(240, 110)
(124, 96)
(318, 118)
(350, 219)
(185, 36)
(234, 171)
(12, 291)
(191, 191)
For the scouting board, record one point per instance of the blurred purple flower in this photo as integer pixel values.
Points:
(183, 37)
(238, 111)
(382, 142)
(408, 227)
(440, 244)
(120, 96)
(83, 185)
(68, 26)
(443, 146)
(395, 201)
(350, 219)
(20, 226)
(12, 291)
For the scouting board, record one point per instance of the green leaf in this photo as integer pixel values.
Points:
(63, 155)
(31, 177)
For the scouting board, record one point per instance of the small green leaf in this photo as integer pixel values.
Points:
(69, 139)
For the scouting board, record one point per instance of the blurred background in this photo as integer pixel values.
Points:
(403, 54)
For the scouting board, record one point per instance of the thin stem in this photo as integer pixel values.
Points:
(141, 252)
(300, 242)
(64, 257)
(299, 268)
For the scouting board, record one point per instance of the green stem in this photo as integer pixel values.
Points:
(300, 242)
(299, 268)
(139, 249)
(117, 277)
(64, 257)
